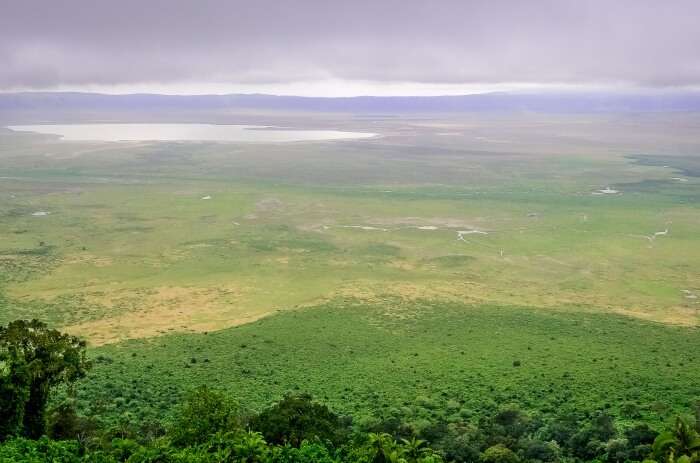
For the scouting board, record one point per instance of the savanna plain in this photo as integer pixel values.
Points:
(446, 266)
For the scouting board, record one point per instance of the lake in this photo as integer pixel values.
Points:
(185, 132)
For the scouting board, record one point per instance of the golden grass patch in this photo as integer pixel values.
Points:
(157, 311)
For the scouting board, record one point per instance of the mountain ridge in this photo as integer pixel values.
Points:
(496, 101)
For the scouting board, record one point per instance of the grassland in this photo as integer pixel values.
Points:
(348, 255)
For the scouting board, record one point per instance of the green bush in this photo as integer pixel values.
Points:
(21, 450)
(204, 413)
(297, 418)
(499, 453)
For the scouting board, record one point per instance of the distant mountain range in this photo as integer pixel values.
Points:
(543, 102)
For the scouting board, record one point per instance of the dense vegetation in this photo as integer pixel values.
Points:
(209, 426)
(419, 360)
(33, 360)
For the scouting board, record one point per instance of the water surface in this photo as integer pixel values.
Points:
(184, 132)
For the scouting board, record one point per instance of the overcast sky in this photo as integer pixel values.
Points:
(329, 47)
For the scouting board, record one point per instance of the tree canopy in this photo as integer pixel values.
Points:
(33, 360)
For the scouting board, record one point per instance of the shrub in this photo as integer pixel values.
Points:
(499, 454)
(297, 418)
(204, 413)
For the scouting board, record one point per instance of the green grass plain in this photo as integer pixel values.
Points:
(401, 312)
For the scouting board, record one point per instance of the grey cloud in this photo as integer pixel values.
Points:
(70, 42)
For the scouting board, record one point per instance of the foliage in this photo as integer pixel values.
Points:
(438, 363)
(211, 427)
(485, 443)
(43, 450)
(307, 452)
(205, 412)
(499, 453)
(34, 359)
(297, 418)
(64, 423)
(680, 444)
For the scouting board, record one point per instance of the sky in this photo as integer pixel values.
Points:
(349, 47)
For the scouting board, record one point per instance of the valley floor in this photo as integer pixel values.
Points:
(417, 267)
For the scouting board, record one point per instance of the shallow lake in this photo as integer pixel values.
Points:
(184, 132)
